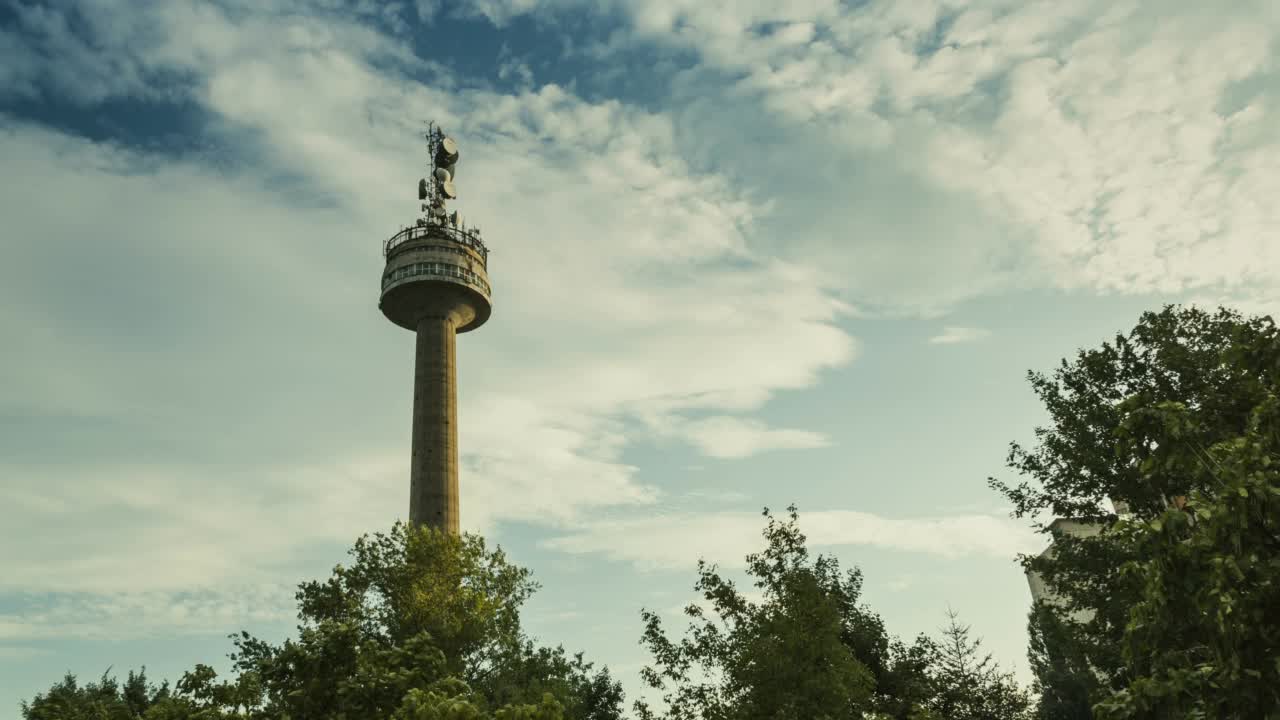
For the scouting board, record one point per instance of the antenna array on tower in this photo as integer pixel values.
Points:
(438, 186)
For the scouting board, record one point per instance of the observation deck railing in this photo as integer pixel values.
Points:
(435, 270)
(417, 232)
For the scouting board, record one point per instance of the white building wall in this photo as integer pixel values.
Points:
(1066, 526)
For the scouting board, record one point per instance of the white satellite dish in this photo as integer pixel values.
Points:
(448, 152)
(443, 175)
(447, 189)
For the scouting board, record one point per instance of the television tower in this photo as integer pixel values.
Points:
(435, 283)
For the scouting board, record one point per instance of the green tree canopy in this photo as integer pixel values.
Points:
(808, 649)
(423, 625)
(1203, 640)
(416, 606)
(106, 699)
(1176, 355)
(969, 684)
(1134, 422)
(1064, 682)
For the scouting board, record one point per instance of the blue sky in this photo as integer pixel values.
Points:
(743, 255)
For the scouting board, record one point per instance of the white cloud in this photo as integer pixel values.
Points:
(41, 45)
(129, 615)
(725, 538)
(901, 583)
(725, 436)
(193, 338)
(13, 653)
(512, 68)
(940, 150)
(180, 526)
(951, 335)
(551, 618)
(1149, 187)
(1260, 302)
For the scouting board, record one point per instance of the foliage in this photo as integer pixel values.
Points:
(106, 699)
(446, 701)
(526, 672)
(413, 608)
(1134, 422)
(1175, 355)
(807, 650)
(969, 684)
(1204, 638)
(1064, 682)
(423, 625)
(199, 697)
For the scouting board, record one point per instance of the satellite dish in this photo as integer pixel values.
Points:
(447, 189)
(422, 189)
(443, 175)
(447, 153)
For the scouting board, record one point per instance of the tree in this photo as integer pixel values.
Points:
(807, 650)
(423, 625)
(970, 685)
(1175, 355)
(1064, 681)
(1101, 445)
(414, 608)
(105, 699)
(1203, 640)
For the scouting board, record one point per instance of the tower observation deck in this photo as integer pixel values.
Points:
(436, 284)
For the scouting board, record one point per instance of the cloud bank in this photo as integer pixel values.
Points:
(197, 329)
(677, 541)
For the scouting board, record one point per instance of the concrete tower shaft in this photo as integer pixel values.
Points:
(436, 284)
(433, 471)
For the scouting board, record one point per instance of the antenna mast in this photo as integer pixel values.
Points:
(442, 158)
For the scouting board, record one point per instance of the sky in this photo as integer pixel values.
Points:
(744, 254)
